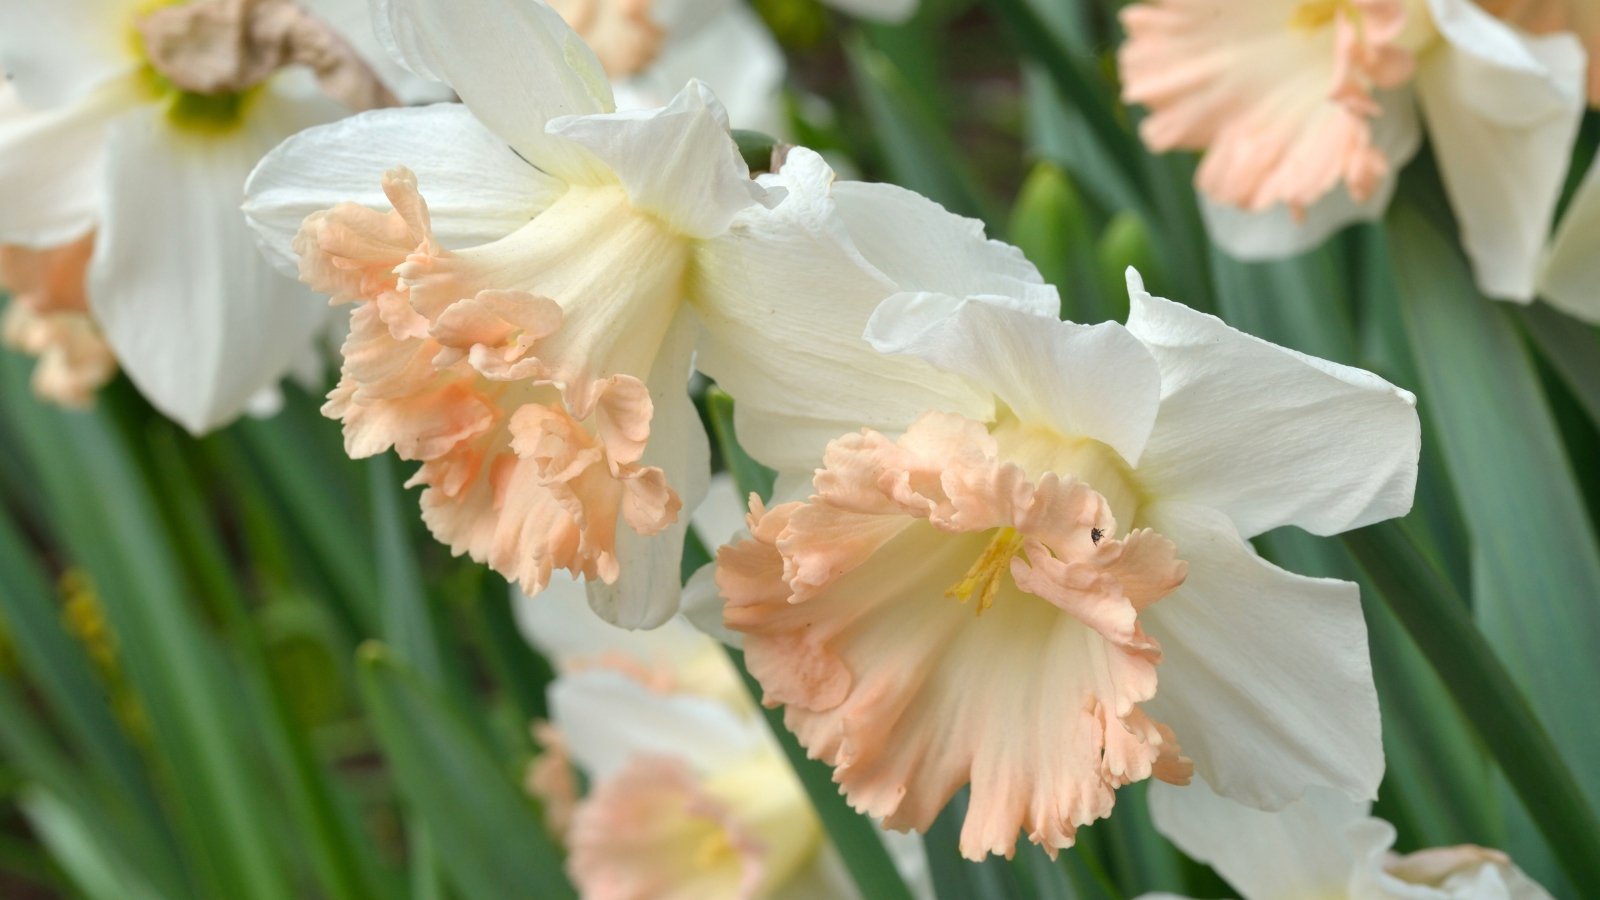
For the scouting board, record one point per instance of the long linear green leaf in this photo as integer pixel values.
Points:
(1573, 349)
(95, 868)
(490, 841)
(105, 516)
(1535, 559)
(1436, 616)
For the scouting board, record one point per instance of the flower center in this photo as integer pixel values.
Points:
(988, 571)
(1040, 450)
(1315, 15)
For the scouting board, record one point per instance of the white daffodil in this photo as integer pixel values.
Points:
(127, 129)
(1325, 845)
(689, 795)
(651, 48)
(530, 299)
(982, 590)
(1308, 109)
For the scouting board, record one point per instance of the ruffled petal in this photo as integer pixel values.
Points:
(200, 331)
(1265, 678)
(1268, 435)
(478, 189)
(515, 66)
(785, 297)
(1094, 381)
(1502, 111)
(678, 163)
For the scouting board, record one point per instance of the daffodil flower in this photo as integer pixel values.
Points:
(689, 795)
(1308, 109)
(530, 300)
(985, 591)
(132, 122)
(1325, 845)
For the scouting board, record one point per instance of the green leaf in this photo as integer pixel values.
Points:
(488, 837)
(750, 476)
(1437, 618)
(96, 869)
(856, 837)
(1573, 349)
(1536, 569)
(918, 151)
(1051, 225)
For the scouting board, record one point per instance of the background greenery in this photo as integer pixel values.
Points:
(238, 666)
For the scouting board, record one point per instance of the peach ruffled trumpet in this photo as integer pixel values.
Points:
(909, 613)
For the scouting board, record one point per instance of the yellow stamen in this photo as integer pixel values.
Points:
(714, 851)
(986, 573)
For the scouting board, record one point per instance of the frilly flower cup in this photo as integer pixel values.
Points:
(1306, 110)
(985, 593)
(529, 292)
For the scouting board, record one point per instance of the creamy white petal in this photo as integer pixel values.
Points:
(609, 718)
(352, 19)
(785, 297)
(197, 317)
(560, 625)
(877, 10)
(1305, 850)
(646, 592)
(1095, 381)
(678, 162)
(731, 50)
(924, 247)
(58, 51)
(1265, 676)
(1277, 233)
(1502, 109)
(50, 163)
(516, 65)
(1268, 435)
(1570, 280)
(477, 189)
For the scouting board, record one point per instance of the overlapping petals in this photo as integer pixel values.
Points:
(849, 604)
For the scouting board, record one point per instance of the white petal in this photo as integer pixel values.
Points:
(516, 65)
(1502, 109)
(608, 718)
(1305, 850)
(58, 51)
(1571, 278)
(678, 162)
(477, 189)
(1277, 233)
(1268, 435)
(877, 10)
(1095, 381)
(197, 318)
(731, 51)
(646, 593)
(1265, 677)
(924, 247)
(786, 297)
(560, 625)
(352, 19)
(50, 163)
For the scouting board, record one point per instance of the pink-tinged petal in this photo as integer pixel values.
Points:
(551, 779)
(1266, 677)
(622, 34)
(48, 317)
(1279, 93)
(1541, 17)
(847, 601)
(653, 832)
